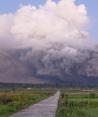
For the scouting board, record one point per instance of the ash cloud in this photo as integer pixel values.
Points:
(57, 34)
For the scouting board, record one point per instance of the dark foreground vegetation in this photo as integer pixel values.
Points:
(13, 101)
(78, 104)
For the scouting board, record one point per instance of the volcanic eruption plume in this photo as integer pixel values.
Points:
(57, 35)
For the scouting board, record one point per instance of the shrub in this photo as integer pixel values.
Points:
(5, 100)
(92, 95)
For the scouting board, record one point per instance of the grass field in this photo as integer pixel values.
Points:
(78, 104)
(13, 101)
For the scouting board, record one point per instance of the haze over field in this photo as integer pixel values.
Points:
(52, 39)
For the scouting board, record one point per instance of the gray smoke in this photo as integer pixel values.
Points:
(57, 35)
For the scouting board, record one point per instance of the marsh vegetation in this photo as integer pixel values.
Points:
(78, 104)
(13, 101)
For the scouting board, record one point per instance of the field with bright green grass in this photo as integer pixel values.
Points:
(13, 101)
(78, 104)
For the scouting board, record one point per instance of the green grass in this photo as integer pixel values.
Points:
(78, 105)
(11, 102)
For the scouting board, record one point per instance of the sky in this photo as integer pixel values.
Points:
(10, 6)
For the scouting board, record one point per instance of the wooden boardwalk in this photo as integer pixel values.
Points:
(45, 108)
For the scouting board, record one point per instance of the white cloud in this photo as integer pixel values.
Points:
(5, 24)
(53, 22)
